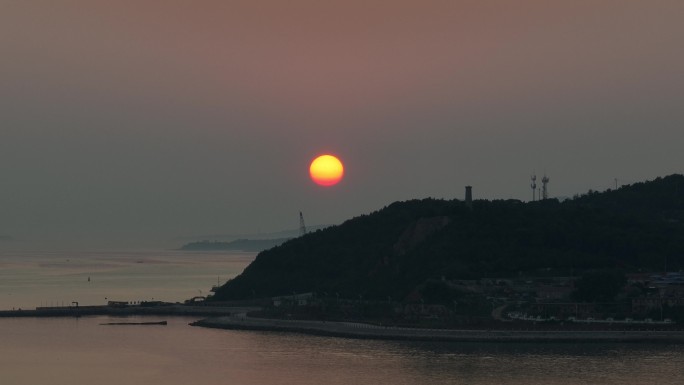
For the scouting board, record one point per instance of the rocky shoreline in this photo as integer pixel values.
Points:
(368, 331)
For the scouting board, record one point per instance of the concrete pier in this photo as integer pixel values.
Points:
(169, 310)
(368, 331)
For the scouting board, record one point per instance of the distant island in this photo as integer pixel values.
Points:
(236, 245)
(612, 256)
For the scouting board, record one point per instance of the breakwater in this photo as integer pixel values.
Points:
(168, 310)
(368, 331)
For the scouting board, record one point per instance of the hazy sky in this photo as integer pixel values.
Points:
(128, 123)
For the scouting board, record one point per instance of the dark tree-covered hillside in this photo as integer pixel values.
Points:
(390, 252)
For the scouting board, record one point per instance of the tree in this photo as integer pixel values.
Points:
(600, 285)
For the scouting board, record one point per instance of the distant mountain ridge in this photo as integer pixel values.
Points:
(236, 245)
(290, 233)
(391, 252)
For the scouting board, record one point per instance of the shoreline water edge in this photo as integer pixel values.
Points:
(368, 331)
(85, 311)
(236, 318)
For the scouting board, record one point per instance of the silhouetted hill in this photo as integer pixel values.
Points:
(390, 252)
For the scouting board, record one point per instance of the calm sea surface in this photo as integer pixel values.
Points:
(31, 279)
(82, 351)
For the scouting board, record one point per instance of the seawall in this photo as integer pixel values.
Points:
(170, 310)
(367, 331)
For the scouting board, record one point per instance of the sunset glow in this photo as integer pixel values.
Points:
(326, 170)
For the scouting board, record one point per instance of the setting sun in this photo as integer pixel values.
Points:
(326, 170)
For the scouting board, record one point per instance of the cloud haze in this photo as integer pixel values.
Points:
(126, 123)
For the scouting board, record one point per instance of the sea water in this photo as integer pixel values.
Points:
(82, 350)
(33, 279)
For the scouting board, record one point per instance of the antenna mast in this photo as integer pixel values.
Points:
(545, 181)
(534, 185)
(302, 227)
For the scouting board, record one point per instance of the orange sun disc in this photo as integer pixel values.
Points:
(326, 170)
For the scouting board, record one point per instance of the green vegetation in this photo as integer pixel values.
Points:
(600, 286)
(406, 247)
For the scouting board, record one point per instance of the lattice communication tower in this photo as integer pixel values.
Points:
(302, 227)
